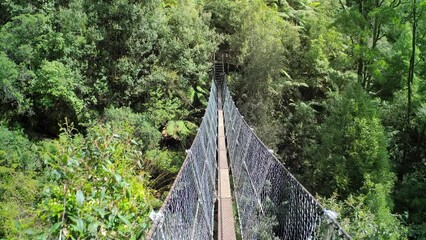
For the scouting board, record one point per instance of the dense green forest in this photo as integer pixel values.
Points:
(99, 100)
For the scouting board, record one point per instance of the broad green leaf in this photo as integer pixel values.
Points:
(314, 4)
(191, 94)
(93, 227)
(79, 197)
(201, 90)
(55, 227)
(124, 219)
(171, 128)
(303, 84)
(285, 74)
(117, 177)
(80, 225)
(101, 212)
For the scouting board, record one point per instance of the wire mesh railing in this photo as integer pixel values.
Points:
(271, 203)
(188, 210)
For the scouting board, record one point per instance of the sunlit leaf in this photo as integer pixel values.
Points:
(79, 196)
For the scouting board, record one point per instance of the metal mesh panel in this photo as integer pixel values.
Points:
(271, 203)
(187, 212)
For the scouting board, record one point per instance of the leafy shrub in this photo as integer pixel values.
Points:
(19, 185)
(12, 97)
(367, 216)
(96, 185)
(54, 95)
(352, 144)
(143, 131)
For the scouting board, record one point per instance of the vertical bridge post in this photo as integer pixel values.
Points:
(226, 223)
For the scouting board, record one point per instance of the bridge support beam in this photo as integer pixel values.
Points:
(226, 222)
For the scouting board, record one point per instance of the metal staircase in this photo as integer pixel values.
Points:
(219, 72)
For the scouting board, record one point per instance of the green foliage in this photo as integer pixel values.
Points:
(40, 85)
(302, 97)
(22, 38)
(11, 94)
(298, 135)
(163, 107)
(410, 197)
(18, 185)
(352, 165)
(352, 145)
(82, 59)
(377, 36)
(144, 132)
(54, 93)
(179, 129)
(190, 53)
(94, 64)
(408, 194)
(97, 185)
(366, 216)
(260, 42)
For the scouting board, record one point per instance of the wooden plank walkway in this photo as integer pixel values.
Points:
(226, 222)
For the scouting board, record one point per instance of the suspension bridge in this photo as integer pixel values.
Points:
(265, 202)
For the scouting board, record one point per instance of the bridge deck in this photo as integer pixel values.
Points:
(226, 222)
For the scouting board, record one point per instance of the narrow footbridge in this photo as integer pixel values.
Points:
(266, 201)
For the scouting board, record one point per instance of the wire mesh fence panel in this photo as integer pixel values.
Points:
(188, 210)
(271, 203)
